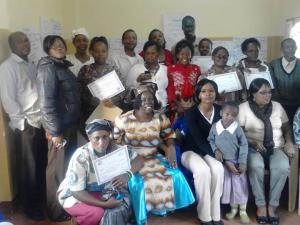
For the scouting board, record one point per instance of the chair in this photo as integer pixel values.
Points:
(293, 181)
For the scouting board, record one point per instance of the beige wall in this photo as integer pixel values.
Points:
(215, 18)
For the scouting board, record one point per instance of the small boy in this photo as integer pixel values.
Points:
(230, 146)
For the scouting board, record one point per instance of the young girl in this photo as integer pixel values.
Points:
(230, 146)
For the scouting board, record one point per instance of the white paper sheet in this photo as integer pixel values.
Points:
(107, 86)
(36, 52)
(50, 27)
(204, 62)
(249, 77)
(112, 165)
(227, 82)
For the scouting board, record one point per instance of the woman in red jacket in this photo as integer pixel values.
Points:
(182, 78)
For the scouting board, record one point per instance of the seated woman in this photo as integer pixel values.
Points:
(164, 55)
(89, 73)
(151, 71)
(159, 187)
(79, 193)
(220, 58)
(205, 47)
(80, 40)
(198, 156)
(182, 77)
(269, 136)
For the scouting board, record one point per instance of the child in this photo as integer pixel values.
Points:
(229, 144)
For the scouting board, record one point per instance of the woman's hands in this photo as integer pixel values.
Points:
(171, 155)
(259, 147)
(58, 141)
(289, 149)
(120, 181)
(112, 203)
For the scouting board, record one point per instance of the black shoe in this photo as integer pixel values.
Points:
(220, 222)
(274, 220)
(35, 214)
(262, 219)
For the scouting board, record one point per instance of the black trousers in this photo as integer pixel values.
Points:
(58, 161)
(31, 160)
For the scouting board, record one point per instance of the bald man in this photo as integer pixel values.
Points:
(19, 98)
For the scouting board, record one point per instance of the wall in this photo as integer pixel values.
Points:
(215, 18)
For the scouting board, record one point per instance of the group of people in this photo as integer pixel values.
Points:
(168, 102)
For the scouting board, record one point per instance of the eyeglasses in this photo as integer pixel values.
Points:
(56, 47)
(264, 93)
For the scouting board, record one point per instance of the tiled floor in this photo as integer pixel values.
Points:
(181, 217)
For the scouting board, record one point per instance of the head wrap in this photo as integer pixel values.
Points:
(146, 86)
(98, 124)
(81, 30)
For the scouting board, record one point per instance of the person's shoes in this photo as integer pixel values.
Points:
(35, 214)
(244, 217)
(220, 222)
(274, 220)
(262, 219)
(231, 214)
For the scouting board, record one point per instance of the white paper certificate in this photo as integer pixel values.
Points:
(204, 62)
(111, 165)
(249, 77)
(227, 82)
(107, 86)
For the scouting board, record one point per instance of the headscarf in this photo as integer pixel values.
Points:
(81, 31)
(98, 124)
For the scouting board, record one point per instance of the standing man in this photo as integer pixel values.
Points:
(188, 28)
(285, 73)
(126, 59)
(19, 98)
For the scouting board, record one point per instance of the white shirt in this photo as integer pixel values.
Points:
(18, 92)
(125, 62)
(288, 66)
(77, 64)
(160, 78)
(220, 128)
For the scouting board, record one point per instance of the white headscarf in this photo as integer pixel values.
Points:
(80, 30)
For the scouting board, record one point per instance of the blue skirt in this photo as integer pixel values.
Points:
(178, 189)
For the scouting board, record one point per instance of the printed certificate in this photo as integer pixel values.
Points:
(249, 77)
(107, 86)
(111, 165)
(227, 82)
(204, 62)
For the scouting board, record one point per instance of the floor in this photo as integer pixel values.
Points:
(182, 217)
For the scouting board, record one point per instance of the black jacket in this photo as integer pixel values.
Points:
(59, 96)
(198, 131)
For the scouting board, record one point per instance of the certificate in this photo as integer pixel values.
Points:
(227, 82)
(107, 86)
(249, 77)
(111, 165)
(103, 112)
(204, 62)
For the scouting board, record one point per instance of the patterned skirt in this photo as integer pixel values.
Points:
(158, 189)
